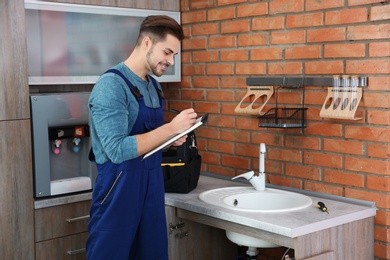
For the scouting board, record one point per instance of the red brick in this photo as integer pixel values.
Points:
(266, 54)
(248, 150)
(344, 178)
(252, 9)
(194, 44)
(234, 55)
(344, 146)
(270, 139)
(379, 83)
(235, 135)
(303, 142)
(236, 26)
(222, 42)
(323, 188)
(247, 123)
(303, 52)
(326, 35)
(220, 95)
(347, 16)
(193, 17)
(193, 69)
(325, 129)
(253, 39)
(378, 150)
(285, 68)
(267, 23)
(221, 121)
(324, 67)
(221, 14)
(376, 100)
(320, 5)
(220, 69)
(235, 161)
(381, 12)
(288, 37)
(363, 2)
(233, 82)
(303, 171)
(282, 6)
(375, 166)
(382, 234)
(379, 49)
(229, 2)
(205, 56)
(289, 155)
(227, 171)
(210, 158)
(378, 134)
(220, 146)
(344, 50)
(379, 183)
(368, 32)
(206, 82)
(321, 159)
(200, 4)
(380, 66)
(382, 251)
(205, 28)
(382, 217)
(375, 117)
(206, 107)
(191, 94)
(382, 200)
(304, 20)
(252, 68)
(285, 181)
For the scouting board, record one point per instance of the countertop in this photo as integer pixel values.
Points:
(290, 224)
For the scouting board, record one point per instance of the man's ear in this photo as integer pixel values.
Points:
(147, 42)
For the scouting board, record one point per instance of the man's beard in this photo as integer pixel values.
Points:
(154, 68)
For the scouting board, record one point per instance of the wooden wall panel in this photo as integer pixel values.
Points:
(14, 103)
(16, 192)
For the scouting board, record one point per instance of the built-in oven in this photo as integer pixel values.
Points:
(61, 144)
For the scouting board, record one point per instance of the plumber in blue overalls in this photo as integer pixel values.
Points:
(127, 215)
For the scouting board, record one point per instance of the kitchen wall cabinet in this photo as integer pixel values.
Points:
(16, 201)
(167, 5)
(193, 240)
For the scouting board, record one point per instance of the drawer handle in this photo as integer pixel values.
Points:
(76, 251)
(71, 220)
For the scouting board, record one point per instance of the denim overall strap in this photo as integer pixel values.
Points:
(128, 210)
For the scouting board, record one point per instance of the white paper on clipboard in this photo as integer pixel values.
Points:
(199, 122)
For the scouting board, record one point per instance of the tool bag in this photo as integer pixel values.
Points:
(181, 166)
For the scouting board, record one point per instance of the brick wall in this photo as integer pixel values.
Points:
(229, 40)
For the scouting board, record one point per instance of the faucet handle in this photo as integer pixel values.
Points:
(248, 175)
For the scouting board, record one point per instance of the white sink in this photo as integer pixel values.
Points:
(248, 199)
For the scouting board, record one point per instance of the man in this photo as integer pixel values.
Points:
(126, 117)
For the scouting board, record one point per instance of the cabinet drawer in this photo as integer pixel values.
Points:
(64, 248)
(59, 221)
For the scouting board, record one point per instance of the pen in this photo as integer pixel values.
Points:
(174, 111)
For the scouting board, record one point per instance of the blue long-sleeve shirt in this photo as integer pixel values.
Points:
(113, 110)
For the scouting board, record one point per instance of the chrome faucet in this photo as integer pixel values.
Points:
(258, 182)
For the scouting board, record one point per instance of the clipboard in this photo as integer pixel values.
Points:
(199, 122)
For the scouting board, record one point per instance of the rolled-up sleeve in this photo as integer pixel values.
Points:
(110, 105)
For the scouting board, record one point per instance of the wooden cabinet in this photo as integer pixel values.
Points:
(61, 231)
(188, 240)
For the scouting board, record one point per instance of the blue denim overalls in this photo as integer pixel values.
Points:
(128, 208)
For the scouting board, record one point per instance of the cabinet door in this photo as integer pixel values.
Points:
(193, 241)
(64, 248)
(59, 221)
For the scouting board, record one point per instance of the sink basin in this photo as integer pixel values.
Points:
(248, 199)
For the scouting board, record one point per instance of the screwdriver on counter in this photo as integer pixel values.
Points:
(322, 207)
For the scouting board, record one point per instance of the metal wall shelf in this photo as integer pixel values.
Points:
(296, 82)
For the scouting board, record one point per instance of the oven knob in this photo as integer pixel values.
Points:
(76, 142)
